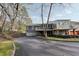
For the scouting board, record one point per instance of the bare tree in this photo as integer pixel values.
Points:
(45, 32)
(42, 19)
(42, 14)
(4, 20)
(14, 9)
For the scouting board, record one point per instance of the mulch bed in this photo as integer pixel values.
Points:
(11, 35)
(16, 34)
(2, 37)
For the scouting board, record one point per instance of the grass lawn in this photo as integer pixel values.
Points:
(6, 48)
(63, 39)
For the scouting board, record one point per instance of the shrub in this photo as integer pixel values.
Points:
(66, 36)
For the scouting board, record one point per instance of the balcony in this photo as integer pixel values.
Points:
(41, 29)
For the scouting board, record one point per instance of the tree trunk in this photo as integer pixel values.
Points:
(42, 15)
(4, 17)
(12, 24)
(2, 28)
(42, 19)
(13, 20)
(45, 34)
(73, 31)
(48, 20)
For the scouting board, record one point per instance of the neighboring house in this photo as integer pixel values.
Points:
(64, 27)
(57, 27)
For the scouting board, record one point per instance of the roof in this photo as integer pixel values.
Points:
(75, 22)
(63, 20)
(77, 29)
(59, 20)
(35, 24)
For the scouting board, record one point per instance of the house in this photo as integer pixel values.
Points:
(38, 29)
(57, 27)
(66, 27)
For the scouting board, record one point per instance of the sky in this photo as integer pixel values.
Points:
(59, 11)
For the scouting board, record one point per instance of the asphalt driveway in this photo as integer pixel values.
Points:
(34, 46)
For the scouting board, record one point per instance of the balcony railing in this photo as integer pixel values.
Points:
(41, 29)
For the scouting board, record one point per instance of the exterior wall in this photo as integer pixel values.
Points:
(67, 32)
(75, 33)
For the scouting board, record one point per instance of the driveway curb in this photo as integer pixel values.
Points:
(14, 49)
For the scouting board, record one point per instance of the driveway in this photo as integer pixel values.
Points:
(34, 46)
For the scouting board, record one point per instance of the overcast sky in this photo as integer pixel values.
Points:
(68, 11)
